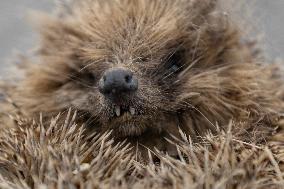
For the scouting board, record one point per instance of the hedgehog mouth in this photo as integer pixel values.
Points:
(122, 110)
(125, 113)
(127, 120)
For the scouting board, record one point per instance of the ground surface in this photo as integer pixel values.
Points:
(16, 33)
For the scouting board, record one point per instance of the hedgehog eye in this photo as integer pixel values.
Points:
(84, 77)
(176, 62)
(88, 77)
(144, 59)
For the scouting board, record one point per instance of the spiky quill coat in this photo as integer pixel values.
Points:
(219, 82)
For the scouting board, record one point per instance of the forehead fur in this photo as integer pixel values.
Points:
(123, 31)
(127, 29)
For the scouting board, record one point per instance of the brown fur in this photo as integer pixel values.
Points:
(219, 78)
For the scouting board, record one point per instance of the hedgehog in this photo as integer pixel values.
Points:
(148, 70)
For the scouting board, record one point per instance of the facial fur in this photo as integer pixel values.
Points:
(193, 68)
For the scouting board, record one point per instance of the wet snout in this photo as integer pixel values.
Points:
(118, 82)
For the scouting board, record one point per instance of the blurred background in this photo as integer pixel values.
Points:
(16, 33)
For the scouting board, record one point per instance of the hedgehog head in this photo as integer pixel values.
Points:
(139, 66)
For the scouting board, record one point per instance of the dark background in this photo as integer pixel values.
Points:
(16, 33)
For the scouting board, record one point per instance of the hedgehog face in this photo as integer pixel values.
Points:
(125, 92)
(118, 63)
(135, 66)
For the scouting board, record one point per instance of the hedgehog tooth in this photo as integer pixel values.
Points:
(132, 111)
(117, 111)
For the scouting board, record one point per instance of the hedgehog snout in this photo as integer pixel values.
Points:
(117, 82)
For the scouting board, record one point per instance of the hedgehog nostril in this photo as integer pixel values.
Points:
(128, 78)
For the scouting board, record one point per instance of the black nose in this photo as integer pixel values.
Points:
(117, 81)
